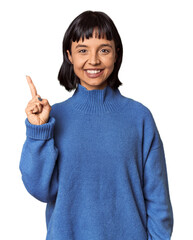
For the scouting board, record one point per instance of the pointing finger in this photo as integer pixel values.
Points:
(32, 87)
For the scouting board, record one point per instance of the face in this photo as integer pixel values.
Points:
(93, 61)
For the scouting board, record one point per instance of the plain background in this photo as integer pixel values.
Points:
(157, 70)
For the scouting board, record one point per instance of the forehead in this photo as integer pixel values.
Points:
(94, 40)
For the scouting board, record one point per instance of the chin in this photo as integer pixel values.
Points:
(94, 83)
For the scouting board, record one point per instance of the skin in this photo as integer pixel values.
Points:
(93, 55)
(37, 111)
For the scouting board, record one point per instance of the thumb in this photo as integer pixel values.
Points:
(45, 103)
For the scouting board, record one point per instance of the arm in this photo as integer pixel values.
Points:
(156, 190)
(38, 163)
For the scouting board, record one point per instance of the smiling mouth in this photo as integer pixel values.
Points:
(94, 73)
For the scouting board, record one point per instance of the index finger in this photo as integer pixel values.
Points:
(32, 87)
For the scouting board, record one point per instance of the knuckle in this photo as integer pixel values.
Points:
(27, 108)
(30, 102)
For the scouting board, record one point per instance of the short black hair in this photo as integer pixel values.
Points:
(83, 26)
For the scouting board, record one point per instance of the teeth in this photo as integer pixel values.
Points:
(93, 71)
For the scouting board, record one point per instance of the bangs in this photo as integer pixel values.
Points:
(85, 28)
(87, 25)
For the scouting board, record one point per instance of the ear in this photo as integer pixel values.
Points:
(69, 56)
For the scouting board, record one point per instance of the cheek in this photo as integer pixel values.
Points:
(78, 68)
(78, 63)
(109, 62)
(110, 68)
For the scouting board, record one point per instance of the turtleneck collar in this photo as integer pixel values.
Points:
(97, 100)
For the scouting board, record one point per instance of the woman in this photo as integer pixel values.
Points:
(97, 158)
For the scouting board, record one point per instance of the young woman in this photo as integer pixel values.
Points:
(97, 158)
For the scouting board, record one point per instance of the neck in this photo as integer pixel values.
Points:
(98, 101)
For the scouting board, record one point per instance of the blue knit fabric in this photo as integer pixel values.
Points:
(99, 164)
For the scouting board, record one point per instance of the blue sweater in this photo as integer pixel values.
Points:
(99, 165)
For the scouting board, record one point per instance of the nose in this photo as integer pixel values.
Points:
(94, 59)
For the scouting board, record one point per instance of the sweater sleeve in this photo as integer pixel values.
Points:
(156, 189)
(38, 162)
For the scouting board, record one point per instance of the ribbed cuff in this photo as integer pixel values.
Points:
(42, 132)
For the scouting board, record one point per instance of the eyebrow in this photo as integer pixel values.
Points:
(102, 45)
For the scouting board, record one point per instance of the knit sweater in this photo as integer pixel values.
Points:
(99, 164)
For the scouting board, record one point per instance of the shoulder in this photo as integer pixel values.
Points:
(138, 108)
(140, 113)
(144, 120)
(58, 107)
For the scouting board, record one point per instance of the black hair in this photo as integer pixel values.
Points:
(83, 26)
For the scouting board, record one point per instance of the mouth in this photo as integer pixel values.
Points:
(93, 73)
(93, 70)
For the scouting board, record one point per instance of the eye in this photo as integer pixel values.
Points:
(105, 50)
(82, 51)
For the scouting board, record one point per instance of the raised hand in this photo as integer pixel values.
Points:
(37, 110)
